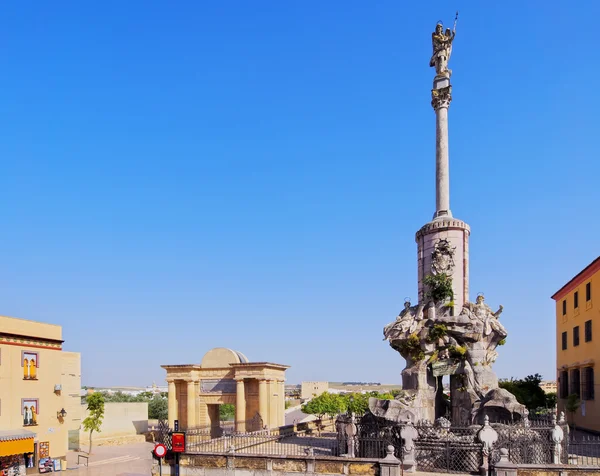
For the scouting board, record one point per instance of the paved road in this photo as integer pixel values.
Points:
(126, 460)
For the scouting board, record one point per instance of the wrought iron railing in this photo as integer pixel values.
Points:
(435, 448)
(583, 448)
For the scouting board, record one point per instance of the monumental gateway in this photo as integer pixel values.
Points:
(226, 377)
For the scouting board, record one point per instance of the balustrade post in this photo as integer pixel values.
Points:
(487, 436)
(557, 438)
(504, 467)
(409, 434)
(390, 465)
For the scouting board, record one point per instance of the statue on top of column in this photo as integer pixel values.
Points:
(442, 48)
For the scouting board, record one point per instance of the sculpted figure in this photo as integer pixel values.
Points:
(442, 49)
(32, 369)
(406, 322)
(25, 368)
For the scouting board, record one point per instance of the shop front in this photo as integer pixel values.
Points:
(17, 452)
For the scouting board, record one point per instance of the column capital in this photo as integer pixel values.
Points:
(441, 97)
(171, 380)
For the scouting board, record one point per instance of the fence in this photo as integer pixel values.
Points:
(437, 447)
(583, 449)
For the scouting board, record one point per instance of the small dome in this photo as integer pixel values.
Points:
(220, 357)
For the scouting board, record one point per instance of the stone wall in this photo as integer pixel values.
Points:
(123, 423)
(247, 465)
(557, 470)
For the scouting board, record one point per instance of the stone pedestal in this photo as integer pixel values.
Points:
(456, 265)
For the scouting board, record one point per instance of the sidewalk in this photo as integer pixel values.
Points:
(126, 460)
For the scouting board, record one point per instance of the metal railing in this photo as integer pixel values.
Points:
(446, 449)
(583, 449)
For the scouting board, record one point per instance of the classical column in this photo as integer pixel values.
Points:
(281, 411)
(172, 403)
(191, 404)
(263, 408)
(240, 406)
(440, 100)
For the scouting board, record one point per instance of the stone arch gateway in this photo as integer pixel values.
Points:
(225, 376)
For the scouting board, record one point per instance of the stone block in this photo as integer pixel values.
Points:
(203, 461)
(289, 465)
(250, 463)
(363, 468)
(330, 467)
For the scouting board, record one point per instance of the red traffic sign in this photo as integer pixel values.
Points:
(178, 442)
(160, 451)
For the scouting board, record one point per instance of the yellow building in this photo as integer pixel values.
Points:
(548, 386)
(39, 395)
(313, 389)
(577, 349)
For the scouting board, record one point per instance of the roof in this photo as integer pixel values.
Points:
(579, 278)
(260, 364)
(10, 435)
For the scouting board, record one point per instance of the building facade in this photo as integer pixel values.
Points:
(577, 349)
(313, 389)
(39, 395)
(548, 386)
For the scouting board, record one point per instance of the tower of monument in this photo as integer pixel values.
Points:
(445, 333)
(443, 243)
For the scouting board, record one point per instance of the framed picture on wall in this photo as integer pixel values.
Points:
(30, 409)
(44, 449)
(30, 361)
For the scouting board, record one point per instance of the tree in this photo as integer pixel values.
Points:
(227, 412)
(158, 408)
(95, 406)
(527, 391)
(572, 406)
(551, 400)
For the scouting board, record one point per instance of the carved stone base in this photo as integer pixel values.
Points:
(456, 232)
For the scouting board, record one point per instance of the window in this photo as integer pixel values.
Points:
(588, 383)
(576, 300)
(575, 382)
(564, 340)
(588, 331)
(564, 307)
(563, 385)
(588, 291)
(30, 409)
(30, 362)
(575, 336)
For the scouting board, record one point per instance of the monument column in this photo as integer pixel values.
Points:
(191, 404)
(262, 402)
(240, 406)
(172, 403)
(442, 95)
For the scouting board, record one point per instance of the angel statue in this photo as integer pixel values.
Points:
(442, 48)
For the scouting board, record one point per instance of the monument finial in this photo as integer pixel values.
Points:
(442, 48)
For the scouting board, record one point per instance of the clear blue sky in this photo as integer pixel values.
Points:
(177, 177)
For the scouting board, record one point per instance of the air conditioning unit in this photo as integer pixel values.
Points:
(57, 388)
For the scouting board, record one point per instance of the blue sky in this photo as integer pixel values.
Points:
(251, 175)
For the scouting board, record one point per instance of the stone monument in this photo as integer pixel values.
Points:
(445, 334)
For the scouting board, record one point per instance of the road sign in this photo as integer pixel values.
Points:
(160, 451)
(178, 441)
